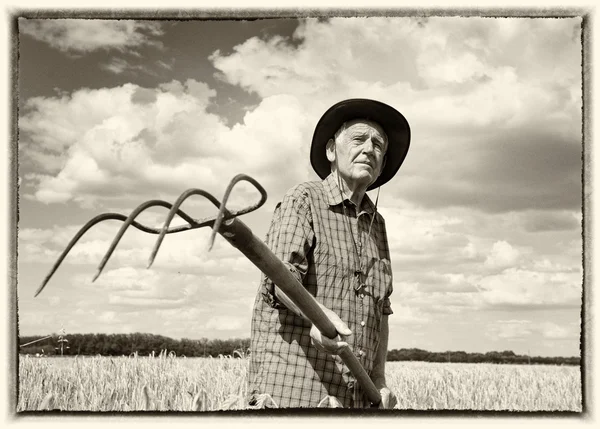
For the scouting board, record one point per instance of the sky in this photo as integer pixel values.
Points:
(483, 218)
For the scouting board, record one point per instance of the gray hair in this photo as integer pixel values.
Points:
(341, 129)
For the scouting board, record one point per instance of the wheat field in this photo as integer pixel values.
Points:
(168, 383)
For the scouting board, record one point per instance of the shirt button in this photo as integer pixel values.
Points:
(360, 353)
(362, 295)
(362, 323)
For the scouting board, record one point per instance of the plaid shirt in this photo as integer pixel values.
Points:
(311, 235)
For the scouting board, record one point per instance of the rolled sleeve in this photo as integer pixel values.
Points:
(290, 237)
(387, 307)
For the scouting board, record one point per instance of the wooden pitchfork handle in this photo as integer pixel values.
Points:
(242, 238)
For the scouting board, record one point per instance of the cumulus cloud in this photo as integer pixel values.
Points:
(88, 35)
(496, 155)
(122, 66)
(406, 316)
(502, 255)
(491, 129)
(500, 170)
(511, 329)
(141, 141)
(109, 317)
(525, 329)
(222, 323)
(414, 232)
(172, 304)
(182, 252)
(451, 277)
(552, 221)
(518, 289)
(553, 331)
(405, 57)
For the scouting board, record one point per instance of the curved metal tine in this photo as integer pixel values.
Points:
(75, 239)
(212, 199)
(171, 214)
(223, 210)
(129, 221)
(97, 219)
(259, 188)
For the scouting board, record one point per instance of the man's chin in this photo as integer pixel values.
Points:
(365, 178)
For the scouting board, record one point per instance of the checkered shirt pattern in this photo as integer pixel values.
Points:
(310, 234)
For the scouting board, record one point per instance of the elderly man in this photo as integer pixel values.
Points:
(332, 238)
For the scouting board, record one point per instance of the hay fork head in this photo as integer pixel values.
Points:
(212, 221)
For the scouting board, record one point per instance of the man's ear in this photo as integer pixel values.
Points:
(330, 150)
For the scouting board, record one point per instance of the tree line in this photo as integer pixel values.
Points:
(126, 344)
(504, 357)
(147, 344)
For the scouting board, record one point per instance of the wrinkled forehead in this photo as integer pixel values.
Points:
(362, 126)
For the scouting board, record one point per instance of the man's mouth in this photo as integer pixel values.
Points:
(370, 164)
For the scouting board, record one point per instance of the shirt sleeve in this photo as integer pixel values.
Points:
(290, 237)
(385, 253)
(387, 307)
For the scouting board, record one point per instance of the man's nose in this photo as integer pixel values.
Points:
(368, 146)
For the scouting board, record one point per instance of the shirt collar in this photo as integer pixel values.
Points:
(334, 196)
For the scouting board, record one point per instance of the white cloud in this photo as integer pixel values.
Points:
(520, 329)
(461, 99)
(502, 255)
(116, 66)
(469, 251)
(163, 141)
(553, 331)
(223, 323)
(552, 221)
(440, 66)
(521, 289)
(414, 231)
(405, 315)
(109, 317)
(120, 66)
(88, 35)
(172, 142)
(399, 59)
(511, 329)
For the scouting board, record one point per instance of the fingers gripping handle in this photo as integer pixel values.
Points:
(242, 238)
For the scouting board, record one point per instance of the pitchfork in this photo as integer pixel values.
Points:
(241, 237)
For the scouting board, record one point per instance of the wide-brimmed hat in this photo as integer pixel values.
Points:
(392, 122)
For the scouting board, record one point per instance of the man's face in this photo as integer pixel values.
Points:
(359, 150)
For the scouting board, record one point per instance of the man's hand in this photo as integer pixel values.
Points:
(388, 399)
(328, 345)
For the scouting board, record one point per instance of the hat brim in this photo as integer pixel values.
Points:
(394, 124)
